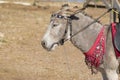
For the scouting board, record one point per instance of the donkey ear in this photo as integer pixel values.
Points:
(74, 9)
(70, 11)
(64, 7)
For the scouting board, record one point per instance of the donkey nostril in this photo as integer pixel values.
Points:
(43, 43)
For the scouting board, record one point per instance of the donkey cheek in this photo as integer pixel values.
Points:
(53, 36)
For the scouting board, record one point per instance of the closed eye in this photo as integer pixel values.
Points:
(55, 25)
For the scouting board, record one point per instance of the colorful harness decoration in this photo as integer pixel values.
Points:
(113, 31)
(94, 56)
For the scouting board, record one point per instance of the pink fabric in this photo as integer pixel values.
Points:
(94, 56)
(113, 25)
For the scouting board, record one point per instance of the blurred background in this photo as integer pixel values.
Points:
(22, 25)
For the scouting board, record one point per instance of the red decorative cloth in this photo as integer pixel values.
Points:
(94, 56)
(113, 31)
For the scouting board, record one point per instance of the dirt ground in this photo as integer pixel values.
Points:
(21, 54)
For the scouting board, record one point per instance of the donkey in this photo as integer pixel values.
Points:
(64, 26)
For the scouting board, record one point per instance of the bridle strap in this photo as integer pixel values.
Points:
(69, 24)
(68, 27)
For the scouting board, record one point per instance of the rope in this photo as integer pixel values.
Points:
(115, 11)
(91, 22)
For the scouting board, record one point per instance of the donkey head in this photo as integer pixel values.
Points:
(58, 29)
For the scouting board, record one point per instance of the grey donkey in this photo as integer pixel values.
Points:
(64, 23)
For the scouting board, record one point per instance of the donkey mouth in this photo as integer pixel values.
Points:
(52, 46)
(49, 48)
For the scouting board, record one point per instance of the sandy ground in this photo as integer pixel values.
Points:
(23, 58)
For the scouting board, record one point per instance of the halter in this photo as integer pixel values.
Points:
(69, 24)
(61, 42)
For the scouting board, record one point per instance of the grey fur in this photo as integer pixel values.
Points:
(84, 40)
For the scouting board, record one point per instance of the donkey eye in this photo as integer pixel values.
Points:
(59, 16)
(55, 25)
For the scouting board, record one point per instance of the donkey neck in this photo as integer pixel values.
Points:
(86, 38)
